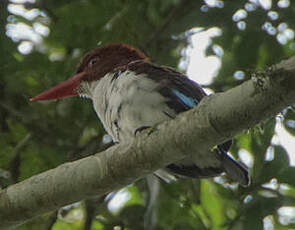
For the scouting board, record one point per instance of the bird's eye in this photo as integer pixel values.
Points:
(93, 61)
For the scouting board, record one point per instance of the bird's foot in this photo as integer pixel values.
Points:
(140, 129)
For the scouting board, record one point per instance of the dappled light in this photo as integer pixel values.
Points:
(29, 32)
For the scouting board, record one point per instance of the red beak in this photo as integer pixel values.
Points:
(65, 89)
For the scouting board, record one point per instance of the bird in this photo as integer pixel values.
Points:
(130, 93)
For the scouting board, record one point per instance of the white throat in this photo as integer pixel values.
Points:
(86, 89)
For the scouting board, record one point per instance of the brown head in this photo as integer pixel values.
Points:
(94, 65)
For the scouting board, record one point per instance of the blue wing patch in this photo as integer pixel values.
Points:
(188, 101)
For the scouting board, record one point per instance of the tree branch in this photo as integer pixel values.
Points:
(216, 119)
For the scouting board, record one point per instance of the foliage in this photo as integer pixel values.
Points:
(35, 137)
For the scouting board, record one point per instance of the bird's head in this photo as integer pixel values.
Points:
(94, 65)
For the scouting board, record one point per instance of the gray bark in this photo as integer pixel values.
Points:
(216, 119)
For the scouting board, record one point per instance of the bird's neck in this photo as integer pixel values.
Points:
(86, 89)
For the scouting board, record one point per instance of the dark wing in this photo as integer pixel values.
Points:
(183, 94)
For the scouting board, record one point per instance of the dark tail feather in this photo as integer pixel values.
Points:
(233, 169)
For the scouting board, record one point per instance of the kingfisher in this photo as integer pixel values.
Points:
(130, 93)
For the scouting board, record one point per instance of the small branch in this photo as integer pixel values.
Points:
(160, 30)
(14, 164)
(91, 206)
(52, 221)
(216, 119)
(11, 110)
(183, 8)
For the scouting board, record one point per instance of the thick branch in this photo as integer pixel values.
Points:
(216, 119)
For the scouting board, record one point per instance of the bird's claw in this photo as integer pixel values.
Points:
(140, 129)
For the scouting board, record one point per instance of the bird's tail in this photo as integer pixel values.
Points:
(234, 170)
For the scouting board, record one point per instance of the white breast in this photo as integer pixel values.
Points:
(128, 102)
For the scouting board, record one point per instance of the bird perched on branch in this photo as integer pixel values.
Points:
(129, 93)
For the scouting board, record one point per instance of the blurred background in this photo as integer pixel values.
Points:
(217, 43)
